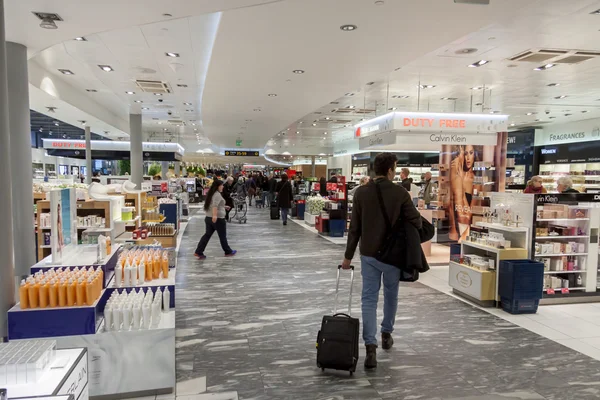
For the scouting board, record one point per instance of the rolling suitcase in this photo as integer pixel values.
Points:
(274, 210)
(337, 341)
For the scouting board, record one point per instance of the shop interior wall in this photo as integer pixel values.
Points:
(39, 156)
(343, 162)
(320, 170)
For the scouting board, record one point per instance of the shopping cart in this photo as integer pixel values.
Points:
(240, 208)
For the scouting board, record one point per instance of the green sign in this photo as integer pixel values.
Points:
(238, 142)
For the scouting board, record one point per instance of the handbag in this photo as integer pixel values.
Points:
(393, 250)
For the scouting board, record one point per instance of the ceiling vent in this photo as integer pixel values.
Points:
(49, 16)
(352, 111)
(153, 86)
(555, 56)
(177, 122)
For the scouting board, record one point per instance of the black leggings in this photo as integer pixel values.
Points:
(221, 227)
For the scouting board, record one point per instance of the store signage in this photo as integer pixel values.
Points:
(433, 122)
(563, 198)
(580, 131)
(239, 153)
(77, 381)
(448, 138)
(382, 139)
(570, 153)
(108, 145)
(350, 146)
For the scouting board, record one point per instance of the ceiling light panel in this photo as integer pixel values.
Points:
(478, 64)
(66, 72)
(174, 55)
(106, 68)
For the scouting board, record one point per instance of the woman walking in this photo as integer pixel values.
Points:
(284, 197)
(215, 221)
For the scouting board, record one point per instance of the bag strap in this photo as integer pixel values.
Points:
(388, 224)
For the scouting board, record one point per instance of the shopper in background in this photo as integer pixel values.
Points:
(333, 178)
(251, 188)
(215, 221)
(565, 185)
(272, 188)
(323, 186)
(535, 186)
(363, 181)
(284, 197)
(406, 181)
(366, 227)
(427, 188)
(228, 191)
(265, 187)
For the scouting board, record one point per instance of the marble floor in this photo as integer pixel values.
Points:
(246, 328)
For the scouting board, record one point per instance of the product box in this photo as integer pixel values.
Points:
(548, 214)
(578, 213)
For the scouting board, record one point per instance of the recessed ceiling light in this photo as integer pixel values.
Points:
(130, 92)
(81, 39)
(56, 123)
(584, 111)
(531, 113)
(298, 71)
(145, 108)
(560, 97)
(397, 69)
(272, 95)
(327, 118)
(513, 124)
(393, 109)
(66, 72)
(552, 117)
(568, 115)
(544, 67)
(351, 107)
(479, 63)
(182, 85)
(597, 12)
(82, 122)
(449, 98)
(494, 112)
(314, 124)
(348, 27)
(106, 68)
(553, 84)
(158, 94)
(477, 88)
(91, 90)
(324, 133)
(426, 86)
(139, 101)
(187, 104)
(174, 55)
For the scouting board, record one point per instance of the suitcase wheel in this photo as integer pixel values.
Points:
(323, 369)
(351, 373)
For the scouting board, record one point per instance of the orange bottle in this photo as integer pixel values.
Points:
(72, 293)
(165, 267)
(101, 275)
(62, 294)
(44, 289)
(34, 294)
(156, 267)
(80, 292)
(89, 291)
(53, 294)
(149, 270)
(24, 295)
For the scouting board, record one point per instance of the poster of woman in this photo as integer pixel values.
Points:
(468, 172)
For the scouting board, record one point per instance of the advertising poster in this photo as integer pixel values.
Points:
(467, 174)
(63, 212)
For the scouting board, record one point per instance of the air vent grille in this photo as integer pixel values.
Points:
(555, 56)
(153, 86)
(176, 122)
(573, 59)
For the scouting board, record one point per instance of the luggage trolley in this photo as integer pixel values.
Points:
(241, 209)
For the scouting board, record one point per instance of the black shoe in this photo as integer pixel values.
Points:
(284, 222)
(371, 359)
(386, 341)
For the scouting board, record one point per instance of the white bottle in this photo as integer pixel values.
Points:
(155, 314)
(126, 317)
(108, 318)
(146, 315)
(142, 272)
(133, 272)
(166, 299)
(127, 275)
(136, 313)
(117, 317)
(118, 275)
(579, 281)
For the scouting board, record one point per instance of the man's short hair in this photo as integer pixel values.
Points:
(384, 162)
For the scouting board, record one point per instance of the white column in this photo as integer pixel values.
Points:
(88, 154)
(313, 167)
(7, 260)
(135, 138)
(164, 167)
(178, 168)
(20, 157)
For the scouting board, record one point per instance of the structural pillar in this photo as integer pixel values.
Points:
(178, 168)
(7, 259)
(313, 167)
(88, 155)
(20, 157)
(164, 169)
(136, 149)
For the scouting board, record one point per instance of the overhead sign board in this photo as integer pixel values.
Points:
(374, 141)
(575, 132)
(433, 122)
(109, 145)
(240, 153)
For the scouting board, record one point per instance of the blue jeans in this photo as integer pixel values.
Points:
(265, 199)
(284, 214)
(371, 271)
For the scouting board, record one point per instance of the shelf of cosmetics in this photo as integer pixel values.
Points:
(136, 310)
(494, 240)
(139, 266)
(154, 229)
(89, 221)
(561, 211)
(572, 282)
(25, 362)
(475, 261)
(501, 215)
(62, 287)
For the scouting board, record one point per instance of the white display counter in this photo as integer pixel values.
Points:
(68, 375)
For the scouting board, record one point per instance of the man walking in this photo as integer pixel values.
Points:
(368, 227)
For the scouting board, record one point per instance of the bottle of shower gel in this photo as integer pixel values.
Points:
(127, 275)
(62, 293)
(72, 293)
(53, 294)
(133, 274)
(142, 272)
(166, 299)
(24, 295)
(118, 275)
(80, 292)
(33, 292)
(44, 289)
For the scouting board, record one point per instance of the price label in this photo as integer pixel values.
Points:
(564, 291)
(550, 291)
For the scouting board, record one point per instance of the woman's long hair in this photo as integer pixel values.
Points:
(211, 192)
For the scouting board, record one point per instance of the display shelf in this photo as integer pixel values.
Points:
(564, 272)
(170, 281)
(561, 237)
(471, 267)
(570, 289)
(491, 248)
(501, 227)
(561, 255)
(561, 219)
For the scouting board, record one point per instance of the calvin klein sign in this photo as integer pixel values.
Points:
(382, 139)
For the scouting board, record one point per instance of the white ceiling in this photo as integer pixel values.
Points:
(231, 61)
(512, 88)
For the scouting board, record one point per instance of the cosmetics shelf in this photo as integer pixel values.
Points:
(564, 272)
(170, 281)
(501, 227)
(561, 237)
(492, 249)
(561, 219)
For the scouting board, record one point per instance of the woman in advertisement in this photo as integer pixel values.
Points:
(461, 184)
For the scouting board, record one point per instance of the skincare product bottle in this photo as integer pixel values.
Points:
(118, 275)
(89, 292)
(133, 274)
(165, 266)
(24, 295)
(80, 292)
(148, 274)
(108, 318)
(127, 275)
(166, 299)
(156, 267)
(44, 288)
(146, 315)
(136, 312)
(53, 294)
(142, 272)
(116, 316)
(579, 281)
(72, 293)
(62, 293)
(126, 317)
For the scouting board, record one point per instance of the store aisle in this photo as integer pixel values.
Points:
(246, 329)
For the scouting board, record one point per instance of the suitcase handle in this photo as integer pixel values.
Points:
(342, 315)
(337, 286)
